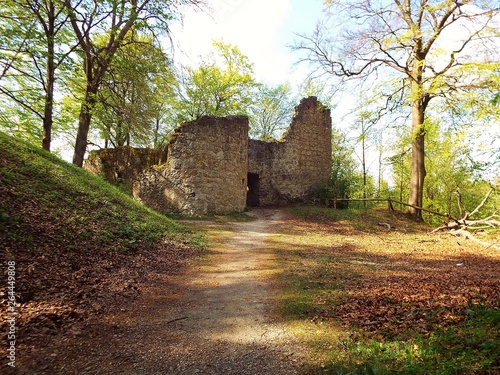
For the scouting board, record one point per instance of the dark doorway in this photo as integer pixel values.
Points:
(253, 190)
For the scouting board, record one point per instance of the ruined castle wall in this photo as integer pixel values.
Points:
(122, 164)
(292, 169)
(209, 163)
(205, 172)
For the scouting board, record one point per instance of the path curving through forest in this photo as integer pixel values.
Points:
(227, 308)
(214, 318)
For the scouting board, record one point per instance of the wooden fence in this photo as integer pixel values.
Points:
(334, 202)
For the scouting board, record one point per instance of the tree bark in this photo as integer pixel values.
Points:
(50, 77)
(48, 119)
(84, 125)
(418, 172)
(363, 163)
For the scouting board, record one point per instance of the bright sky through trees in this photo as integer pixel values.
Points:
(262, 29)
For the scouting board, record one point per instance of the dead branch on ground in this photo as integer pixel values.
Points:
(465, 227)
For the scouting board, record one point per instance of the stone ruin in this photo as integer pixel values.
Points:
(123, 165)
(210, 166)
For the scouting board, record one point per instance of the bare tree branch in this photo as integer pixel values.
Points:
(476, 210)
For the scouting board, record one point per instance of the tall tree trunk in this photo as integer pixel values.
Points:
(49, 106)
(84, 125)
(417, 152)
(379, 179)
(50, 77)
(156, 133)
(363, 163)
(417, 172)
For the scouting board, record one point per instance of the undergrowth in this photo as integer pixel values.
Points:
(79, 244)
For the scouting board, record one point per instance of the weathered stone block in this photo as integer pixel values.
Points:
(122, 164)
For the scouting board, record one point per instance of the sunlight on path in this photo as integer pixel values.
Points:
(229, 304)
(214, 318)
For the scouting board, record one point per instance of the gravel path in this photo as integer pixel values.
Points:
(215, 318)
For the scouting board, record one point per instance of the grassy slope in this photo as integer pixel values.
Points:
(78, 242)
(366, 300)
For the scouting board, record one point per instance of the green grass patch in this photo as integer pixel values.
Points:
(468, 348)
(42, 193)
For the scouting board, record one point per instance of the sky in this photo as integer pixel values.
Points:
(261, 29)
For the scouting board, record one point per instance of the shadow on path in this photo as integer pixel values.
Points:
(214, 318)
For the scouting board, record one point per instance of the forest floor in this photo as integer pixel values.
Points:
(216, 317)
(305, 290)
(369, 291)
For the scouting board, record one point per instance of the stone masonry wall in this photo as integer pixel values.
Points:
(292, 169)
(211, 167)
(123, 164)
(205, 172)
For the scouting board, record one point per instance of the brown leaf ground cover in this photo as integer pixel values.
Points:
(77, 245)
(349, 278)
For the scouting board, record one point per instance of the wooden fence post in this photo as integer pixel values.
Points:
(389, 205)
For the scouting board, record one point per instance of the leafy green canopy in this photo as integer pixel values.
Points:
(222, 85)
(35, 60)
(271, 112)
(131, 102)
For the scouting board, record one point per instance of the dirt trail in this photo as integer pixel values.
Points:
(215, 318)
